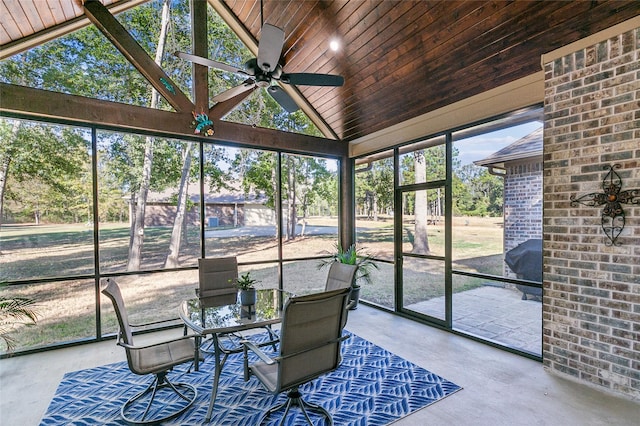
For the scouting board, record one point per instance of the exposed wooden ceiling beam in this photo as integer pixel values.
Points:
(200, 73)
(121, 39)
(21, 100)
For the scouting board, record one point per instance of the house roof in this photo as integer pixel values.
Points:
(218, 196)
(527, 147)
(400, 59)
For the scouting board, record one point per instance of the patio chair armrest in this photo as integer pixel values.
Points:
(246, 345)
(256, 349)
(151, 345)
(146, 324)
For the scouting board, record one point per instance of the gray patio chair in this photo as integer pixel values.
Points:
(341, 275)
(310, 338)
(217, 284)
(157, 359)
(217, 278)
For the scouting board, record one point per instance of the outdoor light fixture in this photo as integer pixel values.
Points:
(334, 45)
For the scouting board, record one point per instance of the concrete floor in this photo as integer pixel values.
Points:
(499, 388)
(494, 313)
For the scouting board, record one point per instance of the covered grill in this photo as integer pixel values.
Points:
(525, 260)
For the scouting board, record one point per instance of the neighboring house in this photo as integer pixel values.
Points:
(520, 165)
(222, 208)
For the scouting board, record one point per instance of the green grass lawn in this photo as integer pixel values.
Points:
(67, 309)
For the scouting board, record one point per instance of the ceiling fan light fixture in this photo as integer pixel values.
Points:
(334, 45)
(263, 80)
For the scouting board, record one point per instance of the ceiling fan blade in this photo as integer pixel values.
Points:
(309, 79)
(234, 91)
(209, 63)
(270, 47)
(283, 98)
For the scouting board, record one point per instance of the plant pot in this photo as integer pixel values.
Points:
(354, 296)
(248, 297)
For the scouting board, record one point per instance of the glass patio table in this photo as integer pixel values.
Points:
(224, 314)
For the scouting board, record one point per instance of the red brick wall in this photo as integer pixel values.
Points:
(591, 312)
(522, 205)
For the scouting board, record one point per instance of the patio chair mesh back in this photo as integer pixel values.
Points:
(217, 277)
(309, 346)
(111, 289)
(340, 276)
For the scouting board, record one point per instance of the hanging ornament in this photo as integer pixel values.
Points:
(202, 124)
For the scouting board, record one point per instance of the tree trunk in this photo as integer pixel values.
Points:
(274, 181)
(420, 241)
(172, 260)
(291, 180)
(137, 240)
(5, 162)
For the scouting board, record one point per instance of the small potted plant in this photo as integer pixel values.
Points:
(246, 285)
(353, 256)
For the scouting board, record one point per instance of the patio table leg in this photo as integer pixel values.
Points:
(216, 376)
(196, 357)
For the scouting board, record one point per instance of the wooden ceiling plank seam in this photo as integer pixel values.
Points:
(70, 9)
(46, 15)
(20, 17)
(302, 35)
(336, 21)
(375, 80)
(520, 53)
(3, 33)
(274, 13)
(302, 15)
(458, 93)
(528, 29)
(252, 19)
(352, 90)
(34, 16)
(9, 24)
(321, 49)
(399, 37)
(398, 11)
(403, 53)
(291, 16)
(57, 12)
(453, 53)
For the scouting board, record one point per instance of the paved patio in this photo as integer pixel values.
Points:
(494, 313)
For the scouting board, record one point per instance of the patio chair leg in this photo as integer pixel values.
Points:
(294, 398)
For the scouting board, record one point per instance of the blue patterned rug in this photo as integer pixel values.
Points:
(372, 387)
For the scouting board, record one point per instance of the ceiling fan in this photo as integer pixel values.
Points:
(264, 70)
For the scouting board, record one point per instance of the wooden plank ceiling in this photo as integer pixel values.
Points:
(400, 59)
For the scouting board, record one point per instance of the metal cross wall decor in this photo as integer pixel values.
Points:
(612, 215)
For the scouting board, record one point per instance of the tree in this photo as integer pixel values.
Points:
(45, 164)
(172, 259)
(137, 234)
(420, 239)
(374, 188)
(477, 192)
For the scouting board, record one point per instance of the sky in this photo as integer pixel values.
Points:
(482, 146)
